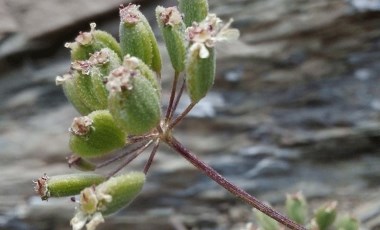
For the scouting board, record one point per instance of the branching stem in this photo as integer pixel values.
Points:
(214, 175)
(182, 115)
(151, 157)
(172, 96)
(178, 98)
(124, 153)
(131, 157)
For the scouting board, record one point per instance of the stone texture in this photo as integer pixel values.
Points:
(295, 104)
(8, 24)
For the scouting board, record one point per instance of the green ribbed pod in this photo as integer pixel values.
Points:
(65, 185)
(106, 60)
(193, 10)
(200, 74)
(86, 92)
(68, 85)
(98, 87)
(87, 43)
(137, 38)
(133, 101)
(106, 198)
(95, 135)
(123, 189)
(134, 62)
(173, 32)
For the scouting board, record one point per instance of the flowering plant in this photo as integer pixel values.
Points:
(116, 88)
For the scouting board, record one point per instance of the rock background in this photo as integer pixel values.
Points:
(296, 106)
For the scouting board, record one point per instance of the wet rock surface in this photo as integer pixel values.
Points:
(296, 106)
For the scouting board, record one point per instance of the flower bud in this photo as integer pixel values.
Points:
(347, 222)
(173, 31)
(193, 10)
(87, 43)
(296, 207)
(137, 38)
(95, 135)
(133, 101)
(200, 74)
(265, 222)
(106, 198)
(325, 215)
(65, 185)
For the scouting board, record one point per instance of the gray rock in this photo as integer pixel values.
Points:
(269, 167)
(8, 24)
(366, 5)
(294, 107)
(262, 151)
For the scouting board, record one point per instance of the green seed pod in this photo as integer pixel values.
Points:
(87, 43)
(265, 222)
(325, 215)
(123, 189)
(347, 222)
(65, 185)
(173, 31)
(137, 38)
(95, 135)
(89, 78)
(200, 74)
(200, 63)
(85, 90)
(135, 63)
(105, 60)
(193, 10)
(133, 101)
(106, 40)
(98, 87)
(70, 90)
(296, 207)
(106, 198)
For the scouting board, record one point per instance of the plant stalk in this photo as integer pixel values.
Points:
(214, 175)
(182, 115)
(172, 96)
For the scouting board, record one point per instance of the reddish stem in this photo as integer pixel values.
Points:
(123, 154)
(151, 157)
(172, 96)
(130, 158)
(178, 98)
(214, 175)
(182, 115)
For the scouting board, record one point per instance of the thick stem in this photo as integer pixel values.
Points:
(214, 175)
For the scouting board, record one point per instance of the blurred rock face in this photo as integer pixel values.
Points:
(296, 106)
